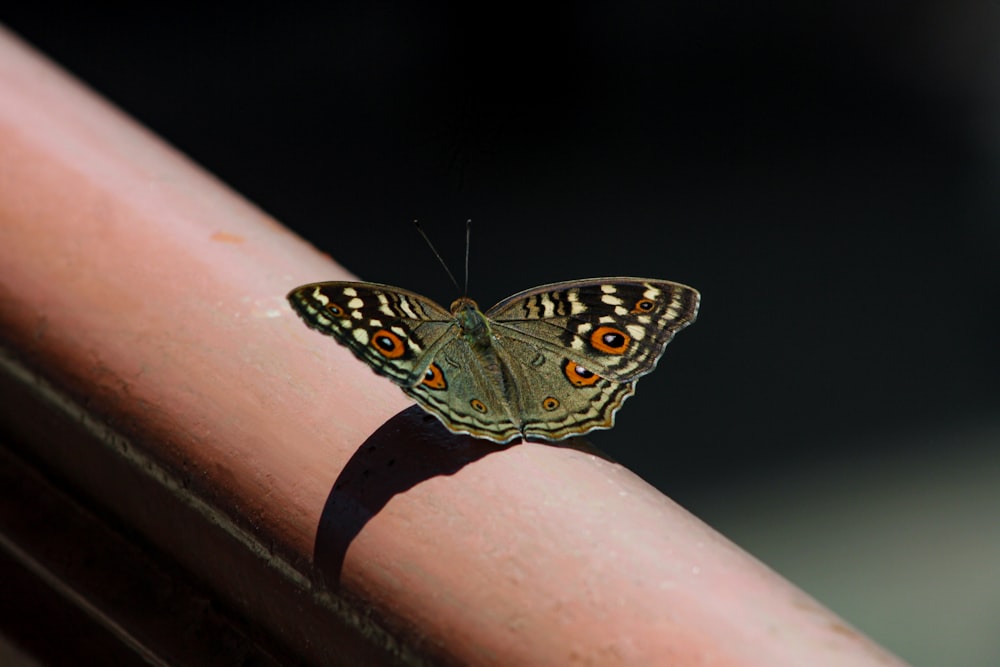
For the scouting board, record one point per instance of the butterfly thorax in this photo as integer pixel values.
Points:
(475, 327)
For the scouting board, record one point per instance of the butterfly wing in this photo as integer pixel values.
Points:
(532, 400)
(394, 331)
(616, 328)
(466, 395)
(557, 398)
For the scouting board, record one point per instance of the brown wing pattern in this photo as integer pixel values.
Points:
(617, 328)
(394, 331)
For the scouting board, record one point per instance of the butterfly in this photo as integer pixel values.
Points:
(548, 363)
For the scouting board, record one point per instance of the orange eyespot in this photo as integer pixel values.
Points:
(610, 340)
(335, 310)
(550, 403)
(388, 344)
(643, 306)
(478, 405)
(434, 378)
(579, 376)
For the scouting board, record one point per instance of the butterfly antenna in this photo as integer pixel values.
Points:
(436, 253)
(468, 244)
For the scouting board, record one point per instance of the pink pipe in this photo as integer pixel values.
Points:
(144, 301)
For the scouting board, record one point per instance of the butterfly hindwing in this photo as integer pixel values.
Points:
(390, 329)
(557, 398)
(464, 396)
(540, 397)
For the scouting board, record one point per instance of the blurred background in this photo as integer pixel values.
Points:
(825, 173)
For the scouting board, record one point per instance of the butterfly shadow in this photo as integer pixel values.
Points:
(408, 449)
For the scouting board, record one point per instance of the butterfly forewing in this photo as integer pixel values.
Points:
(392, 330)
(614, 327)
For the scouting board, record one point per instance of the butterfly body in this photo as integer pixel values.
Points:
(547, 363)
(475, 327)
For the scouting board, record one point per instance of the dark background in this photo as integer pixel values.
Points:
(826, 174)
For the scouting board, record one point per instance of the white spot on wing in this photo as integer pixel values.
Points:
(620, 310)
(350, 291)
(399, 331)
(575, 307)
(319, 296)
(611, 300)
(607, 319)
(375, 323)
(608, 289)
(361, 336)
(404, 305)
(638, 333)
(355, 303)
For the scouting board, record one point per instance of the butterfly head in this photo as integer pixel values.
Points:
(463, 305)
